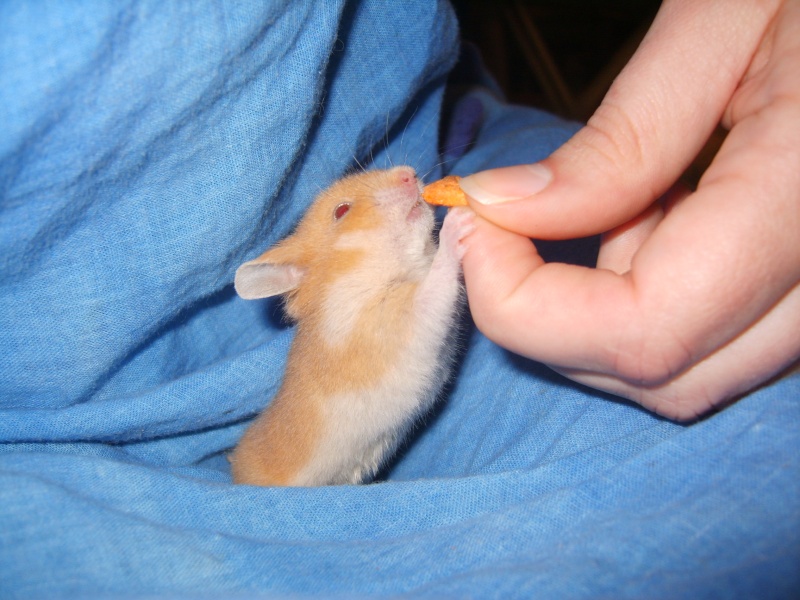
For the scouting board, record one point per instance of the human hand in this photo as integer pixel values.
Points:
(696, 297)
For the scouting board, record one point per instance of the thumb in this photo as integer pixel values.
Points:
(650, 126)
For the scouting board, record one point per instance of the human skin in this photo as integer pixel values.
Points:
(696, 295)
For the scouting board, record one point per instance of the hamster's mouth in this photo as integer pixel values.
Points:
(416, 210)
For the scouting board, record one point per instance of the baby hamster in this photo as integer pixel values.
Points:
(375, 302)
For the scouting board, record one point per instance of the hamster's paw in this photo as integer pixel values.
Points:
(458, 224)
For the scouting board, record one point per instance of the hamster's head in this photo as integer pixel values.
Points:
(383, 210)
(375, 222)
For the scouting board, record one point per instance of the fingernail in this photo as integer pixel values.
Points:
(507, 183)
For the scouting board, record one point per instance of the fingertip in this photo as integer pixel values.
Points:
(493, 250)
(495, 263)
(506, 184)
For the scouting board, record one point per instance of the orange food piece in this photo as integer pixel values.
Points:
(445, 192)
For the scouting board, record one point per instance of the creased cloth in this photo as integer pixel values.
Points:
(148, 148)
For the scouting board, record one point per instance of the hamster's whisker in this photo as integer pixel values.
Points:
(358, 162)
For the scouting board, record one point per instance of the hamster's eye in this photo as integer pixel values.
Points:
(341, 210)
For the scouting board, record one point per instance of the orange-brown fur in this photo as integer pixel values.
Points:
(281, 441)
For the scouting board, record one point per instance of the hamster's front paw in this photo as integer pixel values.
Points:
(458, 224)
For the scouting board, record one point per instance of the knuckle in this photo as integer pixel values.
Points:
(622, 142)
(616, 137)
(484, 315)
(652, 356)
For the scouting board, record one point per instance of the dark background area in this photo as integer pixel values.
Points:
(562, 55)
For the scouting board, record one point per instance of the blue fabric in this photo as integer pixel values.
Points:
(150, 147)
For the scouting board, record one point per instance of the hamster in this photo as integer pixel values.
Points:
(375, 303)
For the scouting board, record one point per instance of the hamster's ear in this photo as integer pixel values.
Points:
(268, 275)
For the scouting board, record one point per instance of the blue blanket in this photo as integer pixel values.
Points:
(147, 149)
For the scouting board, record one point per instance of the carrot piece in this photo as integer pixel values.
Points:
(445, 192)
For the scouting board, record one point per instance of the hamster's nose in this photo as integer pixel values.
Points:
(406, 174)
